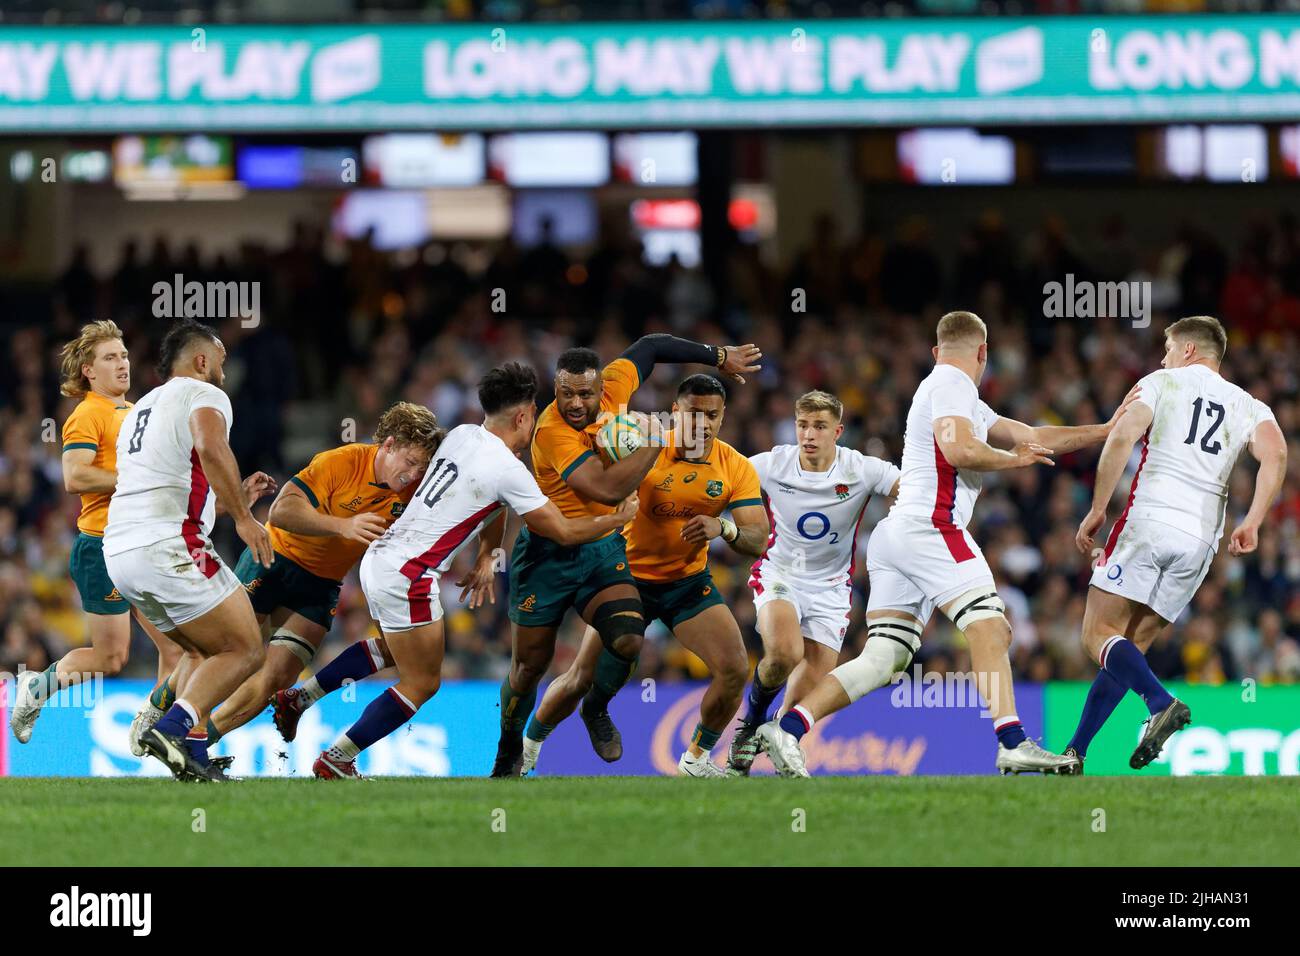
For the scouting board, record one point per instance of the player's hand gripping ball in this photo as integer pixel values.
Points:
(620, 436)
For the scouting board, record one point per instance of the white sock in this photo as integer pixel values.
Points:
(344, 749)
(309, 693)
(186, 706)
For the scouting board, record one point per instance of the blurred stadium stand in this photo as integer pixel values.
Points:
(349, 329)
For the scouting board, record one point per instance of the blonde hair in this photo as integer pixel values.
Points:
(81, 351)
(961, 328)
(1205, 331)
(819, 401)
(410, 424)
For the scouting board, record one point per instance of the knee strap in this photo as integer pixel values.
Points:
(901, 630)
(883, 657)
(615, 619)
(976, 605)
(295, 645)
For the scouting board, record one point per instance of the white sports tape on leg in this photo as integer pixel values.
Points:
(295, 645)
(976, 605)
(891, 642)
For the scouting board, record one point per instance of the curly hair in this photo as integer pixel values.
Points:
(410, 424)
(81, 351)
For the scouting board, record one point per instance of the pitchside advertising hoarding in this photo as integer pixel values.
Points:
(655, 74)
(906, 730)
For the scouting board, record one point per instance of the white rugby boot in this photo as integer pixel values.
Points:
(783, 749)
(532, 750)
(27, 706)
(1028, 757)
(700, 766)
(146, 718)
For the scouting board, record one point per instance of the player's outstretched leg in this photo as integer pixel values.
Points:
(561, 698)
(110, 642)
(418, 656)
(162, 696)
(978, 614)
(531, 651)
(355, 663)
(618, 616)
(778, 627)
(1106, 621)
(230, 643)
(893, 637)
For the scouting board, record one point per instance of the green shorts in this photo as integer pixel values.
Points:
(98, 594)
(547, 579)
(288, 584)
(675, 601)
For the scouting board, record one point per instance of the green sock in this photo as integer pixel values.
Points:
(612, 672)
(537, 730)
(213, 734)
(515, 709)
(163, 696)
(704, 738)
(47, 684)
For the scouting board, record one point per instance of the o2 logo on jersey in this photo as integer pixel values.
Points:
(1115, 572)
(808, 526)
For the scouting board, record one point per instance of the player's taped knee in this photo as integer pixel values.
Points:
(295, 645)
(976, 605)
(891, 644)
(619, 618)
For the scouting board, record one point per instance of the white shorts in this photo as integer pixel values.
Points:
(1154, 564)
(823, 611)
(915, 567)
(396, 601)
(170, 584)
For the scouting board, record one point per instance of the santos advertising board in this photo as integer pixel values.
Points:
(905, 730)
(620, 75)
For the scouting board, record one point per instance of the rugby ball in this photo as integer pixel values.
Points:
(620, 436)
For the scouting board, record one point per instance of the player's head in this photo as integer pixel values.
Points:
(963, 339)
(407, 435)
(1197, 339)
(193, 349)
(818, 422)
(95, 360)
(508, 396)
(697, 412)
(578, 387)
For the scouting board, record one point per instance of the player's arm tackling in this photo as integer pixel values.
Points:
(955, 437)
(1062, 439)
(1268, 445)
(550, 522)
(208, 428)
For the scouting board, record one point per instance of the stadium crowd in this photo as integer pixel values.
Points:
(346, 330)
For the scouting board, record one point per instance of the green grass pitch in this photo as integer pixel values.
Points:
(1036, 821)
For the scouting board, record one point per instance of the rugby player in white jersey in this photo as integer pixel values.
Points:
(815, 492)
(921, 556)
(173, 452)
(475, 472)
(1193, 424)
